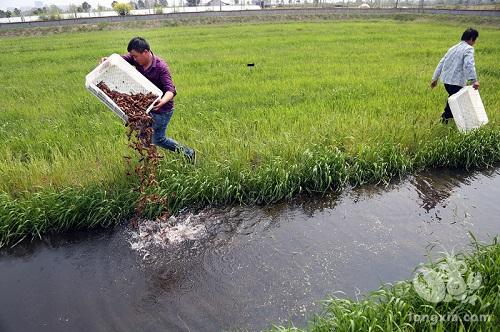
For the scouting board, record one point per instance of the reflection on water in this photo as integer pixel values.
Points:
(436, 187)
(432, 190)
(250, 266)
(431, 193)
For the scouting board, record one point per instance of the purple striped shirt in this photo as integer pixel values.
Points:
(159, 74)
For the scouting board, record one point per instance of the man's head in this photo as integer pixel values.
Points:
(139, 49)
(470, 35)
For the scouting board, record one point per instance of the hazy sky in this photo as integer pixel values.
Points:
(31, 3)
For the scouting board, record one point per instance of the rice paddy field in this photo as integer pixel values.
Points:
(328, 104)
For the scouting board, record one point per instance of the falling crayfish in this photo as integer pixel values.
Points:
(140, 139)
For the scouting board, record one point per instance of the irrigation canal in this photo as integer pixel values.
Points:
(244, 268)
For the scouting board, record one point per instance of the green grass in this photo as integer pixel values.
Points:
(398, 307)
(328, 103)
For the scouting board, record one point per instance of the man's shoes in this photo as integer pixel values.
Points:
(191, 156)
(444, 120)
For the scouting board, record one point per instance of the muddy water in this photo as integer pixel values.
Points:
(244, 268)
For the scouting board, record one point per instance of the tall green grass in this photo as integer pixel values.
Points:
(394, 307)
(327, 104)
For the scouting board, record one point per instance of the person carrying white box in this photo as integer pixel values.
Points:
(456, 68)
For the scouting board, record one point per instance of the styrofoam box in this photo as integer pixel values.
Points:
(467, 109)
(120, 76)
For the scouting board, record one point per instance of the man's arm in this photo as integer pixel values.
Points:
(470, 68)
(170, 91)
(437, 72)
(166, 80)
(127, 57)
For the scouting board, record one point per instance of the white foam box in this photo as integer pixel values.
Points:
(120, 76)
(467, 109)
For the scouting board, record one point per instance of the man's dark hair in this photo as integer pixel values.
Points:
(470, 34)
(138, 44)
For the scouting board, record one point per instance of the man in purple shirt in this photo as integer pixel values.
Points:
(156, 70)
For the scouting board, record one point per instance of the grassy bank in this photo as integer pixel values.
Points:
(327, 104)
(398, 307)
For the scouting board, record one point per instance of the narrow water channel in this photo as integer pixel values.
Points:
(245, 268)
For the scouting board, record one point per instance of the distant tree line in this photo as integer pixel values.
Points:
(8, 13)
(146, 4)
(124, 8)
(53, 12)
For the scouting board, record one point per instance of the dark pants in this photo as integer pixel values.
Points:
(451, 89)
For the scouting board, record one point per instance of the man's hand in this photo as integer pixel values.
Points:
(103, 59)
(433, 84)
(165, 99)
(475, 85)
(159, 104)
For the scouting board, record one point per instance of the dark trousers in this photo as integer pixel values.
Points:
(451, 89)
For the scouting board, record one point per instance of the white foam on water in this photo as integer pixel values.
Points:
(163, 234)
